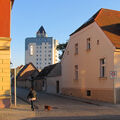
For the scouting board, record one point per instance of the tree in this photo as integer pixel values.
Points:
(61, 48)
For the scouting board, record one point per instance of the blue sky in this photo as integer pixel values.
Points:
(59, 17)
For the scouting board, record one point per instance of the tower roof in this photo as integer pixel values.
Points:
(41, 32)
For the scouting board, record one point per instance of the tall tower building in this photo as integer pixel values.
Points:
(41, 50)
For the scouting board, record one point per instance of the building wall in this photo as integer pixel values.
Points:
(51, 84)
(43, 51)
(5, 96)
(88, 62)
(5, 8)
(38, 85)
(116, 79)
(56, 57)
(24, 83)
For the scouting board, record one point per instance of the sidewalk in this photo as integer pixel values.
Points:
(21, 111)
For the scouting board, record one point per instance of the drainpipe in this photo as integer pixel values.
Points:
(15, 85)
(114, 91)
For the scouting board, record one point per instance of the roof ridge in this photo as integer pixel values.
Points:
(99, 13)
(89, 21)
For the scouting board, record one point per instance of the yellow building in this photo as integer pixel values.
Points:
(5, 89)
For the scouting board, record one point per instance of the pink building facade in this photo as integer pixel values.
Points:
(91, 62)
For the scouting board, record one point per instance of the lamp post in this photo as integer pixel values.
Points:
(14, 73)
(15, 101)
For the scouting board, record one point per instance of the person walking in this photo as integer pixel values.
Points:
(32, 97)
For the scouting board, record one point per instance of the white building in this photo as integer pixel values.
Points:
(41, 50)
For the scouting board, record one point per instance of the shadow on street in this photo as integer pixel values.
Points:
(102, 117)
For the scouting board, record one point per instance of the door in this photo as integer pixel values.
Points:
(57, 87)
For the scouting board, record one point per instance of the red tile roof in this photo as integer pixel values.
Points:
(27, 71)
(45, 71)
(109, 22)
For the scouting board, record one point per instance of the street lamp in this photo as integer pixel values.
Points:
(15, 86)
(15, 100)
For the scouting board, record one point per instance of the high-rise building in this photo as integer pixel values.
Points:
(41, 50)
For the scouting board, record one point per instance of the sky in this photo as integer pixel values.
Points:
(59, 18)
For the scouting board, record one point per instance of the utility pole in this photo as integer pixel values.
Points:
(15, 86)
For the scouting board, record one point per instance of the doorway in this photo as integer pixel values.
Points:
(57, 87)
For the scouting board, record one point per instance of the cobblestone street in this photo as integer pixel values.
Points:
(64, 108)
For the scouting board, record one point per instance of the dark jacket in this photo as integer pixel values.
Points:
(32, 94)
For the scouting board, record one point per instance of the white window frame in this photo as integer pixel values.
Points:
(88, 44)
(102, 67)
(76, 72)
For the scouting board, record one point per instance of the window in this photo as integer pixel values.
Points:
(98, 42)
(76, 48)
(88, 92)
(67, 52)
(88, 44)
(102, 67)
(76, 72)
(31, 49)
(43, 83)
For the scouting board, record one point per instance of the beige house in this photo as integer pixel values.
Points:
(40, 82)
(91, 62)
(54, 80)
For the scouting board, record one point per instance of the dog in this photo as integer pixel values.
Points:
(47, 107)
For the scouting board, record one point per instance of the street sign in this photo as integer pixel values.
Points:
(113, 74)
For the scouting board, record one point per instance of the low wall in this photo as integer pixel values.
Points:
(104, 95)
